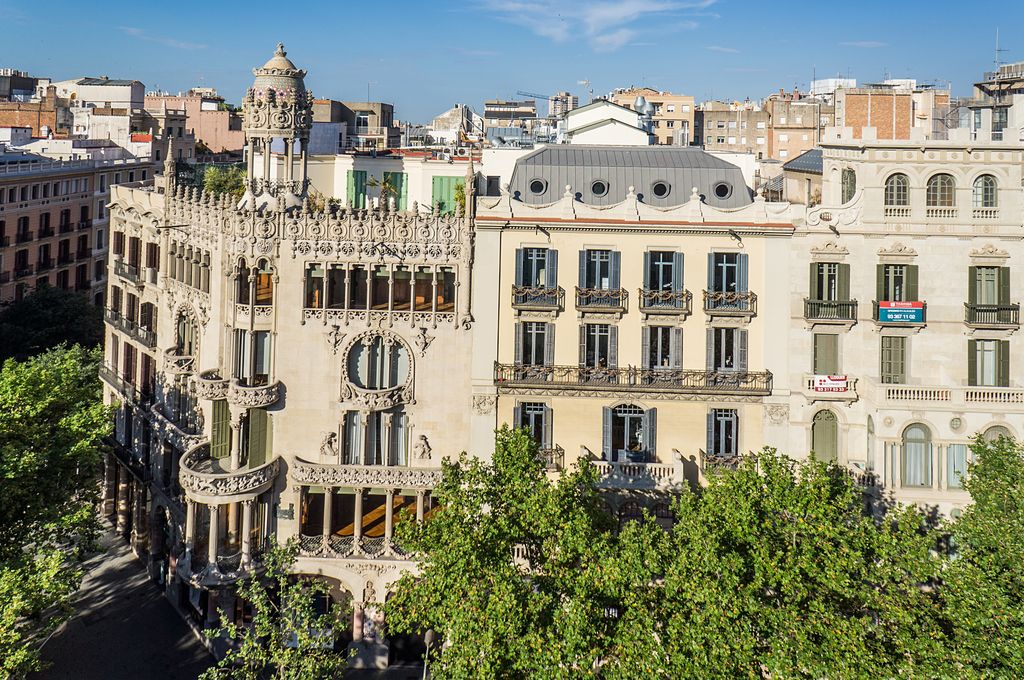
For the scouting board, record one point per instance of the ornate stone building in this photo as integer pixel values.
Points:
(300, 381)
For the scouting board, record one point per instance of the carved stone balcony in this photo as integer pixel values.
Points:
(205, 481)
(178, 364)
(364, 476)
(209, 385)
(624, 475)
(253, 396)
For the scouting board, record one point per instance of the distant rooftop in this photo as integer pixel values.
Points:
(808, 161)
(105, 81)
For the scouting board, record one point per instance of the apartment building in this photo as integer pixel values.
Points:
(280, 371)
(673, 116)
(53, 222)
(509, 119)
(636, 289)
(739, 127)
(905, 322)
(209, 119)
(362, 126)
(893, 108)
(796, 123)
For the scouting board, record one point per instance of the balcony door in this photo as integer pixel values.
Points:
(629, 433)
(598, 345)
(727, 272)
(599, 269)
(726, 349)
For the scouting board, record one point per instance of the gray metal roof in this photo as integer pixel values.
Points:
(619, 167)
(105, 81)
(808, 161)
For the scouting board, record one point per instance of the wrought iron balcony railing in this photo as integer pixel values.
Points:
(991, 315)
(672, 381)
(730, 303)
(830, 310)
(127, 271)
(532, 297)
(665, 301)
(599, 299)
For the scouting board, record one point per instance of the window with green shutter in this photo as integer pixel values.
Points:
(258, 437)
(894, 359)
(356, 189)
(398, 187)
(220, 440)
(826, 354)
(988, 363)
(443, 191)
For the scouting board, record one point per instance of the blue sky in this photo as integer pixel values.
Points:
(424, 57)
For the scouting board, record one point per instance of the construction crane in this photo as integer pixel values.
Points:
(521, 93)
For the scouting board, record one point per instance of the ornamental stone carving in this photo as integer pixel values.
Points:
(484, 404)
(367, 476)
(398, 388)
(207, 486)
(777, 414)
(898, 250)
(421, 450)
(253, 397)
(329, 445)
(209, 385)
(423, 340)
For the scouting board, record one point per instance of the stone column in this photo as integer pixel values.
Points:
(211, 549)
(391, 287)
(357, 523)
(389, 517)
(367, 457)
(935, 466)
(190, 525)
(385, 449)
(231, 533)
(433, 300)
(247, 510)
(328, 510)
(237, 416)
(122, 501)
(109, 484)
(420, 502)
(357, 622)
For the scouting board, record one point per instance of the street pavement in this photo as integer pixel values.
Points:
(124, 628)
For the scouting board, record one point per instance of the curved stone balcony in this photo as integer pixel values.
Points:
(259, 396)
(178, 364)
(365, 476)
(205, 481)
(209, 385)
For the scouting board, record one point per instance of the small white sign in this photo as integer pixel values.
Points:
(830, 383)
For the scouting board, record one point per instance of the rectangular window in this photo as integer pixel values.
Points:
(220, 440)
(727, 272)
(663, 347)
(598, 345)
(663, 271)
(956, 465)
(894, 359)
(723, 433)
(732, 140)
(535, 418)
(597, 269)
(897, 282)
(830, 281)
(533, 343)
(988, 363)
(356, 189)
(534, 267)
(783, 138)
(826, 354)
(727, 349)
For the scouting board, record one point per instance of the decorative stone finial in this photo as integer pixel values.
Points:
(280, 50)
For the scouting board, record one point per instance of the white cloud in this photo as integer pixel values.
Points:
(723, 50)
(864, 44)
(607, 25)
(160, 39)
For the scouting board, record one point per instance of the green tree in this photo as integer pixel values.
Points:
(288, 637)
(984, 584)
(776, 570)
(52, 421)
(229, 180)
(46, 318)
(497, 618)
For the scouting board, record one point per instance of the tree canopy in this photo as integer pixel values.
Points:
(52, 421)
(220, 180)
(46, 318)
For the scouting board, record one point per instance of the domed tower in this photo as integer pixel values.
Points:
(277, 117)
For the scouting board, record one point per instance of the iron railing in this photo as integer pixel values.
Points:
(673, 381)
(991, 315)
(132, 328)
(667, 301)
(601, 298)
(831, 310)
(127, 271)
(552, 457)
(532, 297)
(730, 302)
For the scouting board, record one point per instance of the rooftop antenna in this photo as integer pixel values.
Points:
(586, 86)
(999, 65)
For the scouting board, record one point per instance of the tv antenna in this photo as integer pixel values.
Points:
(586, 86)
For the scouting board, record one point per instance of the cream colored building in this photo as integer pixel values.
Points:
(673, 113)
(904, 308)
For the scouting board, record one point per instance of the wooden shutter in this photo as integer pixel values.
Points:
(606, 433)
(844, 281)
(403, 194)
(520, 265)
(911, 287)
(350, 188)
(220, 442)
(710, 349)
(1003, 362)
(551, 269)
(583, 269)
(645, 347)
(548, 439)
(826, 353)
(743, 282)
(549, 344)
(1004, 285)
(740, 349)
(710, 443)
(517, 415)
(972, 363)
(651, 434)
(518, 356)
(711, 271)
(972, 285)
(647, 270)
(613, 347)
(257, 440)
(677, 272)
(615, 266)
(676, 348)
(880, 282)
(812, 285)
(583, 344)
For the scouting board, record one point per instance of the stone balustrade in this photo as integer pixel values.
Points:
(209, 385)
(178, 364)
(258, 396)
(204, 482)
(364, 476)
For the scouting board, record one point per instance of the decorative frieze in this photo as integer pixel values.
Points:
(363, 476)
(259, 396)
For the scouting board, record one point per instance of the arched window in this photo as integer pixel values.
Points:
(993, 433)
(825, 436)
(242, 282)
(849, 185)
(941, 191)
(917, 456)
(264, 284)
(187, 336)
(984, 194)
(897, 190)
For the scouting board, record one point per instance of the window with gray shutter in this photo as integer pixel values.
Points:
(826, 354)
(893, 359)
